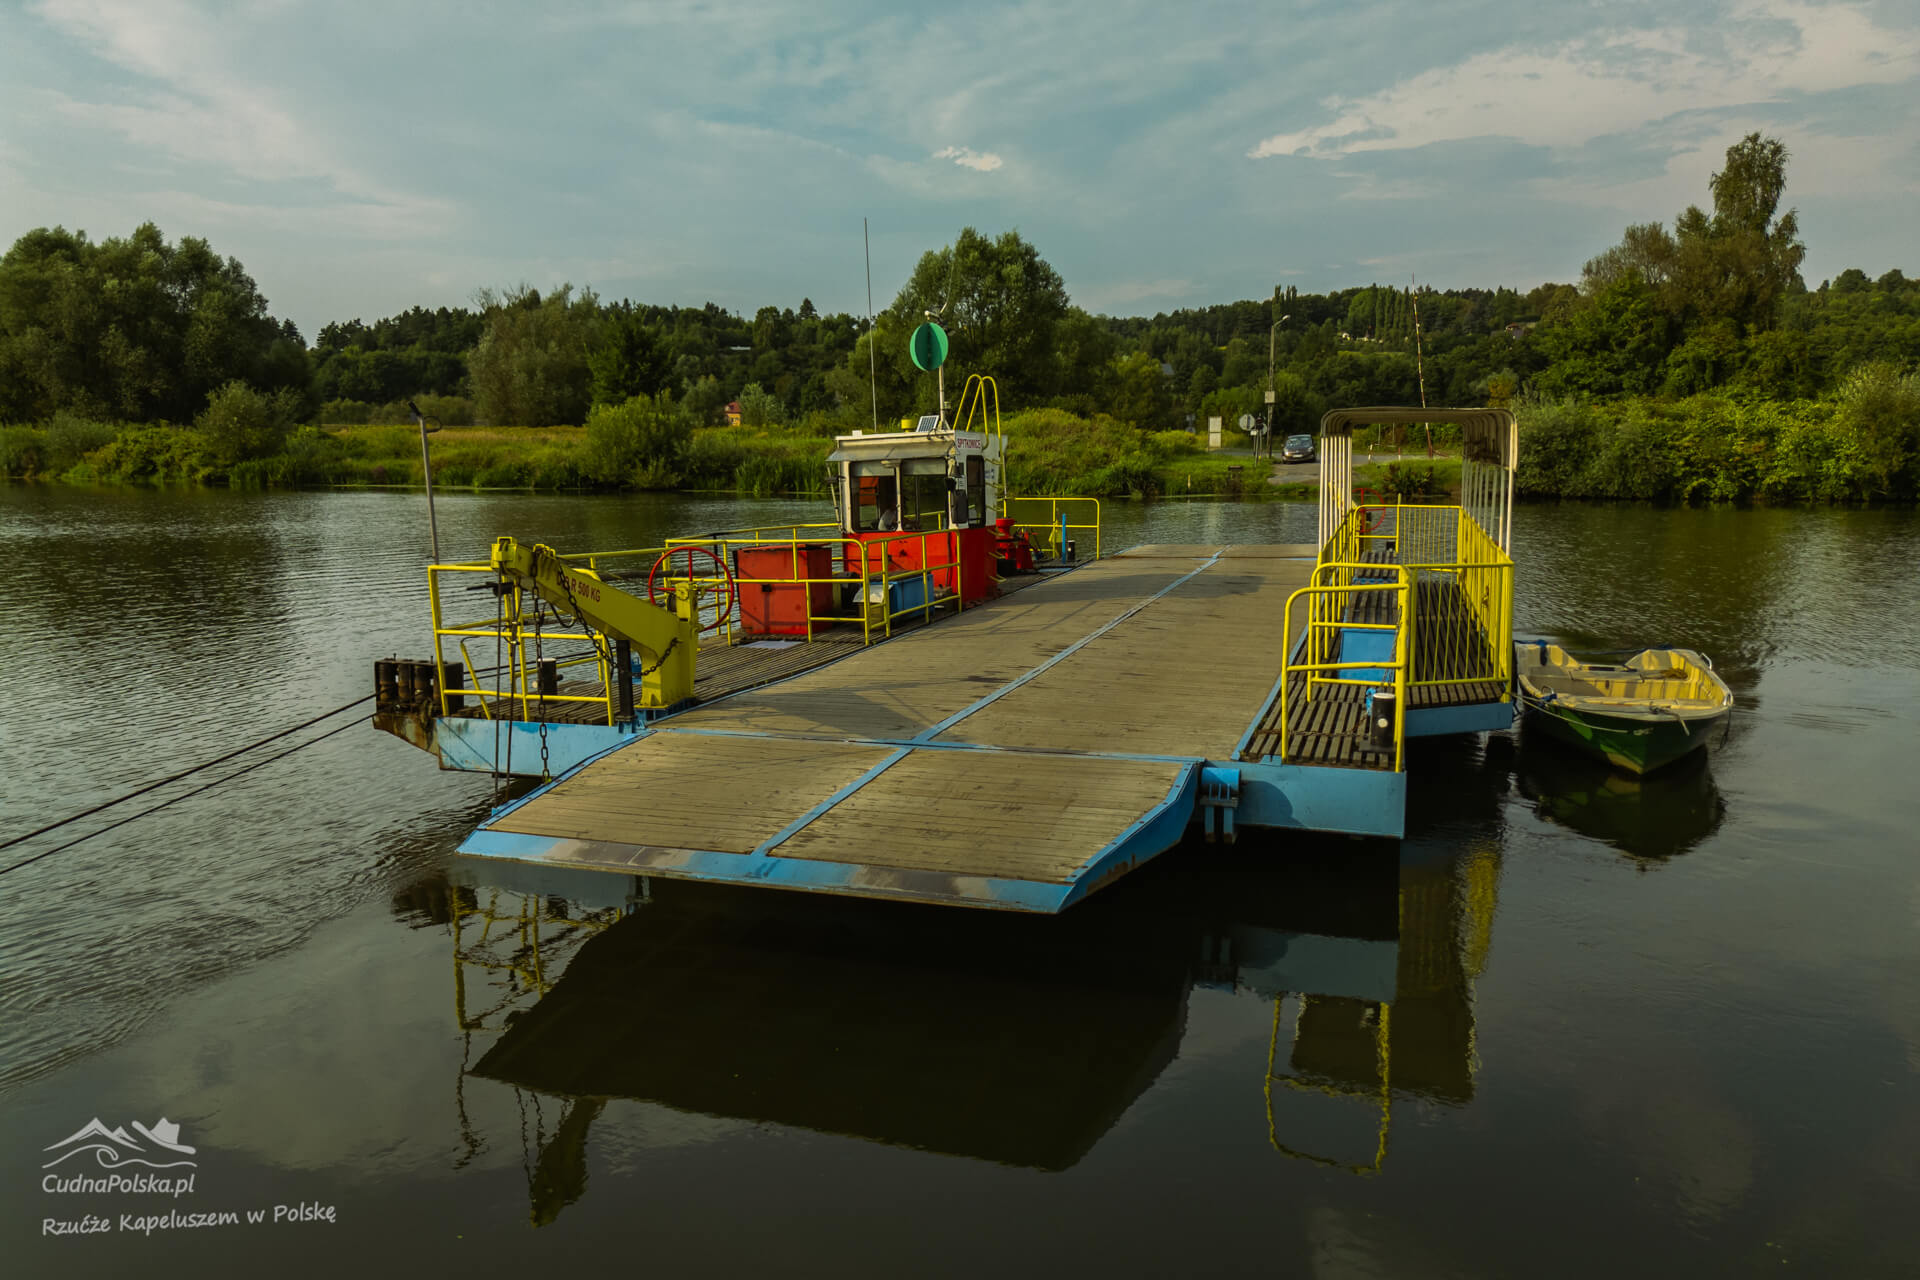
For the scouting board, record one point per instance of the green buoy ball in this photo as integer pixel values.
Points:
(928, 346)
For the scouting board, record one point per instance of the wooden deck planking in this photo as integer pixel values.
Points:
(1125, 691)
(694, 791)
(903, 818)
(902, 688)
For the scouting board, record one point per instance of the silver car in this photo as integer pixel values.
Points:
(1297, 449)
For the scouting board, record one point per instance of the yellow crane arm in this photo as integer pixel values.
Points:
(665, 639)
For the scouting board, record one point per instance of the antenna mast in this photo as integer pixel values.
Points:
(873, 365)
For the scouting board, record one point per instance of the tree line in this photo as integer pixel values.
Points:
(139, 330)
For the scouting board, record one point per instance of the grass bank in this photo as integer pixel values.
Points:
(1862, 445)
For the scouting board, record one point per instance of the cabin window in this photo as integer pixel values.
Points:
(976, 490)
(923, 495)
(875, 493)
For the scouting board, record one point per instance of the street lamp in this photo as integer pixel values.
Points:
(1272, 335)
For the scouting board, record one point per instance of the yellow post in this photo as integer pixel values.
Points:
(439, 667)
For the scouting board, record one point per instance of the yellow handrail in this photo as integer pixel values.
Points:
(1443, 543)
(1055, 525)
(1328, 605)
(977, 404)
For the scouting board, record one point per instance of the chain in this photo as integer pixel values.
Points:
(573, 606)
(540, 687)
(499, 634)
(664, 655)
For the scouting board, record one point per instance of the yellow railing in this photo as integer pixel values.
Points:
(847, 567)
(1064, 518)
(520, 654)
(1452, 559)
(521, 651)
(973, 398)
(1335, 596)
(509, 628)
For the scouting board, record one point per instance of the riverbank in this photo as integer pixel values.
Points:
(1861, 446)
(1050, 453)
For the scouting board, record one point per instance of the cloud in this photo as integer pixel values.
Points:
(984, 161)
(207, 114)
(1121, 293)
(1603, 83)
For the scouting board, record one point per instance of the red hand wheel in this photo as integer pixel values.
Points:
(680, 563)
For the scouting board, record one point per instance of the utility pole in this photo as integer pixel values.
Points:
(1272, 335)
(1420, 364)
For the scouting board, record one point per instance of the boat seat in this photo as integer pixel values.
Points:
(1568, 685)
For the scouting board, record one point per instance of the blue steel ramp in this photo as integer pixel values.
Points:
(982, 827)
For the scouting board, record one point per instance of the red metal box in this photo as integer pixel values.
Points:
(775, 597)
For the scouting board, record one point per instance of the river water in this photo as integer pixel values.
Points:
(1571, 1025)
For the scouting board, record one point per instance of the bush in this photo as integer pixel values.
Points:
(71, 437)
(1557, 444)
(448, 411)
(144, 455)
(641, 442)
(240, 424)
(1410, 480)
(23, 452)
(1879, 413)
(713, 456)
(346, 413)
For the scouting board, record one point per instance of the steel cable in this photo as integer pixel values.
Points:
(186, 773)
(185, 794)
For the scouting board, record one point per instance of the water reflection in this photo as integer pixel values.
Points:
(1649, 819)
(1016, 1040)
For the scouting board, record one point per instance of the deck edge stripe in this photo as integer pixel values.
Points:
(1164, 817)
(1273, 694)
(763, 850)
(936, 730)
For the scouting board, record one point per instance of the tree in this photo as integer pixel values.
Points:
(530, 368)
(1614, 343)
(757, 407)
(1084, 348)
(627, 361)
(1733, 265)
(1140, 394)
(134, 328)
(999, 301)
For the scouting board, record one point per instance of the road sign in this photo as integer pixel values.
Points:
(1269, 397)
(928, 347)
(1246, 422)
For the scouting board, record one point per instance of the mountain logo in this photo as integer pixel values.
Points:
(116, 1148)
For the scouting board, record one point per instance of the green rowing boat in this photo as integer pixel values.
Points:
(1640, 714)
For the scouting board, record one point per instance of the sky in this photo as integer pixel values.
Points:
(361, 158)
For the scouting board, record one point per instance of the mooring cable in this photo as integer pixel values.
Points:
(186, 773)
(48, 853)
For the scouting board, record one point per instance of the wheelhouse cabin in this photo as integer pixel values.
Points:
(929, 479)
